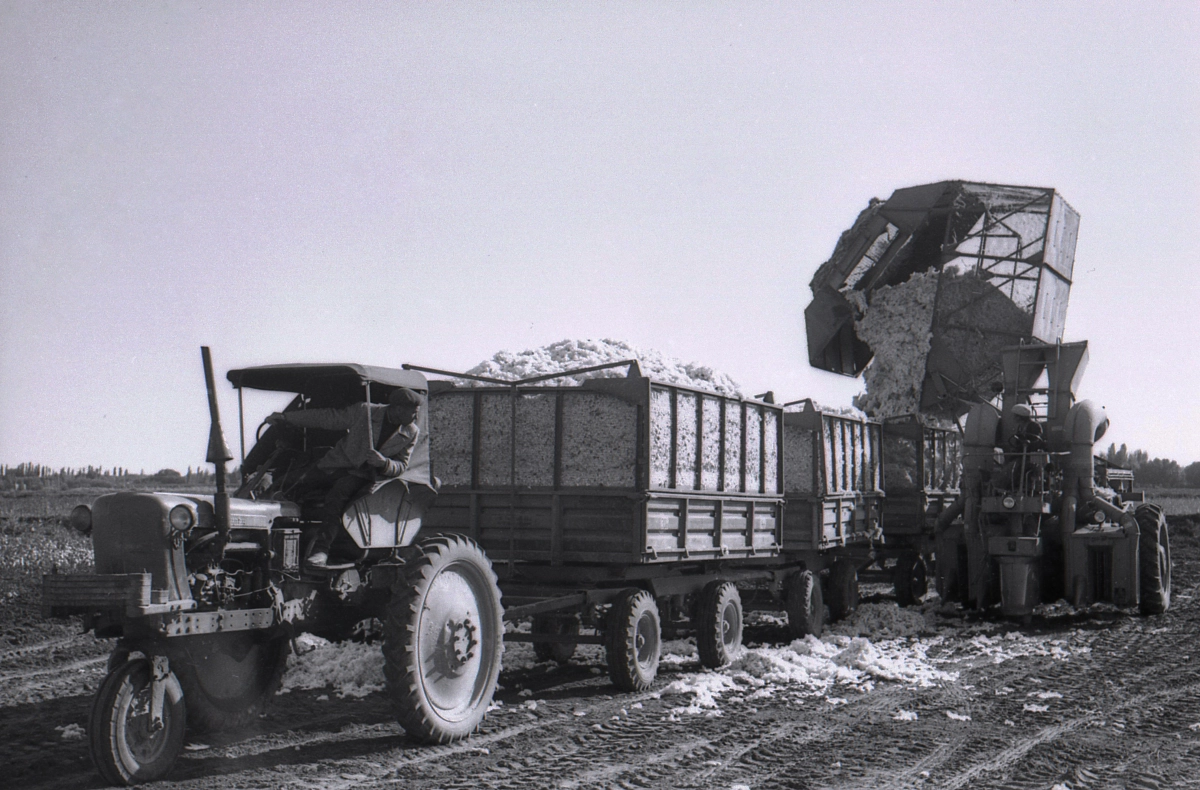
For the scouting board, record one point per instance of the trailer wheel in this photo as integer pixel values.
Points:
(805, 604)
(718, 623)
(558, 626)
(911, 580)
(843, 589)
(443, 639)
(124, 748)
(1154, 560)
(633, 640)
(228, 679)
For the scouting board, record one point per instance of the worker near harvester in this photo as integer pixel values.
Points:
(378, 444)
(1027, 434)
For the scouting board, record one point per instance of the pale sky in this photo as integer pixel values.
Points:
(433, 183)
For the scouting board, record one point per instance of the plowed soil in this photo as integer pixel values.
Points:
(1124, 714)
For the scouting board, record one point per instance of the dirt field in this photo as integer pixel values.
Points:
(1089, 699)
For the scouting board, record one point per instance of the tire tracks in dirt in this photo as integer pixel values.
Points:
(54, 670)
(1124, 659)
(51, 644)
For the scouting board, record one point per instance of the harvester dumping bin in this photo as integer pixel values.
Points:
(932, 283)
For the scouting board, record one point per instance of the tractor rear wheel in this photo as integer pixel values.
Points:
(805, 604)
(125, 747)
(911, 580)
(633, 640)
(228, 679)
(556, 625)
(718, 623)
(443, 640)
(1154, 560)
(843, 589)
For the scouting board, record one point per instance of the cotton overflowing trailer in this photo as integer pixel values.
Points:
(628, 506)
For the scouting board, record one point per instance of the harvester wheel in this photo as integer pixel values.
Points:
(805, 604)
(443, 639)
(125, 748)
(228, 679)
(632, 640)
(1154, 560)
(911, 580)
(718, 623)
(558, 625)
(843, 589)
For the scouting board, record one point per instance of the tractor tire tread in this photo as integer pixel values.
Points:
(401, 665)
(1154, 552)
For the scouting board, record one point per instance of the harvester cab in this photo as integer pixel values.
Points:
(1035, 527)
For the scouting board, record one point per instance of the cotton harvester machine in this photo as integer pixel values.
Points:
(973, 281)
(1035, 527)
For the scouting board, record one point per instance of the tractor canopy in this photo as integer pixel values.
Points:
(337, 385)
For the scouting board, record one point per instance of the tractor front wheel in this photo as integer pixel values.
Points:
(443, 640)
(127, 747)
(1154, 560)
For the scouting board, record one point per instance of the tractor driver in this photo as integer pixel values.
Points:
(1027, 433)
(378, 444)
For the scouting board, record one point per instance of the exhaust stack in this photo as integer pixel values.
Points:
(218, 452)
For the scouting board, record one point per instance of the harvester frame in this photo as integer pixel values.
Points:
(1034, 525)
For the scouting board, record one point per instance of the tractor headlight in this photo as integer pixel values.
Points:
(1098, 516)
(1009, 502)
(181, 518)
(81, 519)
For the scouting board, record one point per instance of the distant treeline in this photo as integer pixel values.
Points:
(39, 477)
(1154, 472)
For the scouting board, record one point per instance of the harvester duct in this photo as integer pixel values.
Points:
(932, 283)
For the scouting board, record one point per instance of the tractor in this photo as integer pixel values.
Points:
(204, 593)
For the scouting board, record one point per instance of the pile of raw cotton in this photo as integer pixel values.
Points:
(897, 326)
(570, 354)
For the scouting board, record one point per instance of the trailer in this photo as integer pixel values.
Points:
(922, 474)
(831, 517)
(629, 507)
